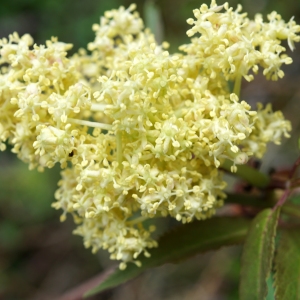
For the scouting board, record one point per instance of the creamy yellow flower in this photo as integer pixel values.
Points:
(139, 132)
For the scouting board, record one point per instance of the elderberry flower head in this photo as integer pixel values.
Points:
(162, 124)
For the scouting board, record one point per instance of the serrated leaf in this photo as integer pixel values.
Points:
(287, 265)
(258, 255)
(181, 243)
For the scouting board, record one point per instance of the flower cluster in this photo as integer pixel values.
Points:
(232, 44)
(139, 132)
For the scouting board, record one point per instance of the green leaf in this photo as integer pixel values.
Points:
(181, 243)
(287, 265)
(249, 200)
(249, 174)
(257, 255)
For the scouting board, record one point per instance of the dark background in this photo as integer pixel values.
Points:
(39, 257)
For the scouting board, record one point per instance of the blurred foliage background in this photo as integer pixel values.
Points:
(39, 257)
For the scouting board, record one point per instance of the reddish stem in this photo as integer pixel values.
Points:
(287, 191)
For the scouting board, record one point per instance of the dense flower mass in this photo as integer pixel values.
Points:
(139, 132)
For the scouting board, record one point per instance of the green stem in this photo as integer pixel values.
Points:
(253, 176)
(237, 85)
(100, 107)
(119, 148)
(90, 124)
(137, 220)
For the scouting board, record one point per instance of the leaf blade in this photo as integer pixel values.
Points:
(251, 175)
(196, 237)
(257, 255)
(287, 264)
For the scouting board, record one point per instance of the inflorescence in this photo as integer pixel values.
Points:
(139, 132)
